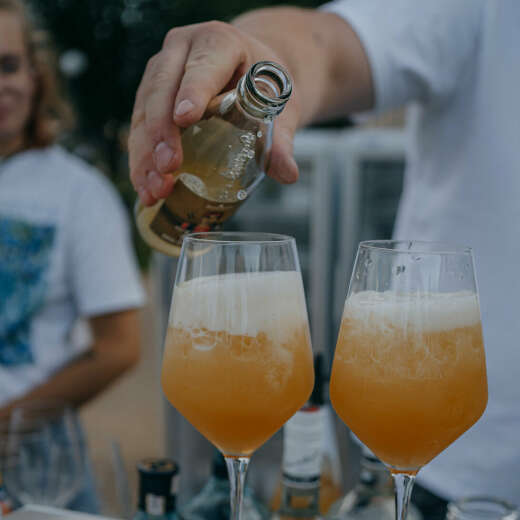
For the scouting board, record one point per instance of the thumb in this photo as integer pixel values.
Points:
(282, 166)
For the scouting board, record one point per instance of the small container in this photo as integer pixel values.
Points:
(157, 489)
(482, 508)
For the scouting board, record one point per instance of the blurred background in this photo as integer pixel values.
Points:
(351, 178)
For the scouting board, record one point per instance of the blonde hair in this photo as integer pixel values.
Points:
(51, 113)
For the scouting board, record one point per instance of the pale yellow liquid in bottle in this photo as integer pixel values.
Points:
(209, 187)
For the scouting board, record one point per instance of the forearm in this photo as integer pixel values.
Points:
(78, 382)
(328, 64)
(115, 349)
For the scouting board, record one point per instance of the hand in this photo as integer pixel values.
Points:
(196, 63)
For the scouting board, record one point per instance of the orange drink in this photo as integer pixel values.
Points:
(235, 368)
(409, 373)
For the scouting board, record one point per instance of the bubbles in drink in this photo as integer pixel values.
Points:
(248, 140)
(240, 159)
(409, 368)
(417, 311)
(227, 303)
(253, 360)
(201, 341)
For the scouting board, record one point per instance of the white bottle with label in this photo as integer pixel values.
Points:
(311, 475)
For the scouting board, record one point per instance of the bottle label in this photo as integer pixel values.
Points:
(187, 211)
(302, 445)
(155, 505)
(330, 447)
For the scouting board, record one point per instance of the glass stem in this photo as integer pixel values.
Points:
(403, 491)
(237, 469)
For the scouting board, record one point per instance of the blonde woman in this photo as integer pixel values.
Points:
(65, 252)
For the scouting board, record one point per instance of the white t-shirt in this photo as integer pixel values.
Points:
(65, 253)
(458, 63)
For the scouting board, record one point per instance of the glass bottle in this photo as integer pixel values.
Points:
(157, 489)
(213, 501)
(298, 494)
(317, 420)
(225, 156)
(300, 486)
(330, 478)
(372, 498)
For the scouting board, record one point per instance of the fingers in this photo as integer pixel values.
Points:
(215, 54)
(159, 185)
(160, 86)
(283, 167)
(149, 184)
(140, 163)
(154, 141)
(195, 64)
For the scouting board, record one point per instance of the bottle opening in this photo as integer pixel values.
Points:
(270, 82)
(265, 88)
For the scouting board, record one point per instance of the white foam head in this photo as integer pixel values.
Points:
(242, 304)
(421, 311)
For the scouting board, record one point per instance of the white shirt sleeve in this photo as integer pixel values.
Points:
(102, 267)
(418, 49)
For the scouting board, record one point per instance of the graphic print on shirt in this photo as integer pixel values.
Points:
(25, 250)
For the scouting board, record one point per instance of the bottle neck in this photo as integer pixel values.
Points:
(302, 458)
(302, 446)
(303, 437)
(264, 90)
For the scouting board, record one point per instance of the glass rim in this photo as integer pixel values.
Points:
(237, 237)
(458, 507)
(416, 247)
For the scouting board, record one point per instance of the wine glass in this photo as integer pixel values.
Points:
(409, 372)
(42, 462)
(482, 508)
(237, 360)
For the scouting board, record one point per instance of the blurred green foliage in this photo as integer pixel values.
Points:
(115, 39)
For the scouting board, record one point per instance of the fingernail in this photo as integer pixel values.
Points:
(288, 173)
(184, 107)
(155, 182)
(143, 194)
(163, 156)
